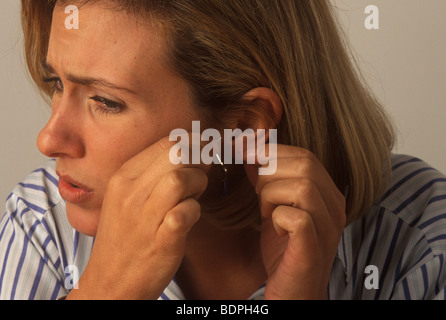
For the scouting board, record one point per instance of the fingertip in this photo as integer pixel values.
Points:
(293, 221)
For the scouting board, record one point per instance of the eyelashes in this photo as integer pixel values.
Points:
(99, 104)
(55, 83)
(106, 106)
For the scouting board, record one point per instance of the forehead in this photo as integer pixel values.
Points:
(108, 42)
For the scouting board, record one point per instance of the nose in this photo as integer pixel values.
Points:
(62, 135)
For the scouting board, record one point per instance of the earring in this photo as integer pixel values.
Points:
(224, 189)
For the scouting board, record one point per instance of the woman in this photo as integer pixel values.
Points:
(134, 71)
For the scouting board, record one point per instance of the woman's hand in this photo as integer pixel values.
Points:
(149, 207)
(303, 220)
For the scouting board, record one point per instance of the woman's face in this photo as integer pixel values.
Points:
(114, 97)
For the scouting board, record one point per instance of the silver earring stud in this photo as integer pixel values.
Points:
(224, 189)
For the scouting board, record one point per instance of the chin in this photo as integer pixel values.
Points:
(82, 220)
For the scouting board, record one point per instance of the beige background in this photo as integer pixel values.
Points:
(404, 62)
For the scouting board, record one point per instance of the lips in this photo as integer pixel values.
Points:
(73, 191)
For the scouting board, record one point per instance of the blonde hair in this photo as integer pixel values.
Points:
(224, 48)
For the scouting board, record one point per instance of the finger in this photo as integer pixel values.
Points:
(275, 159)
(299, 193)
(311, 169)
(304, 249)
(176, 225)
(156, 159)
(137, 165)
(297, 224)
(146, 169)
(173, 188)
(271, 151)
(256, 159)
(298, 167)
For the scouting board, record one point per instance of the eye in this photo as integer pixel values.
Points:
(106, 106)
(56, 84)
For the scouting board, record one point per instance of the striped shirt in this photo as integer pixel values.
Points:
(396, 251)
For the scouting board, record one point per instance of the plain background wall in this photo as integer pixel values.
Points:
(22, 112)
(404, 62)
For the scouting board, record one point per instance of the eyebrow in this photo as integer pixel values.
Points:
(88, 81)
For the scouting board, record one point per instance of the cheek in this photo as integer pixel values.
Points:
(110, 149)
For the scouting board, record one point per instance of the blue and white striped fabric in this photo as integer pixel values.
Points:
(403, 237)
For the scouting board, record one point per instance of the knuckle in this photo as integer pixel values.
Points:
(175, 180)
(184, 216)
(303, 166)
(175, 221)
(117, 182)
(127, 203)
(306, 166)
(303, 187)
(294, 223)
(301, 222)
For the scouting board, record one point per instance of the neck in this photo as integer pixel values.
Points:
(223, 258)
(239, 209)
(221, 264)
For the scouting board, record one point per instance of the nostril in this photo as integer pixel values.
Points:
(57, 142)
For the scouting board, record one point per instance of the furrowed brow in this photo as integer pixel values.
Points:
(89, 81)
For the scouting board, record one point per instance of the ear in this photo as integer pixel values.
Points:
(261, 109)
(264, 110)
(259, 113)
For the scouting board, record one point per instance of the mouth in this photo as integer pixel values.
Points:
(73, 191)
